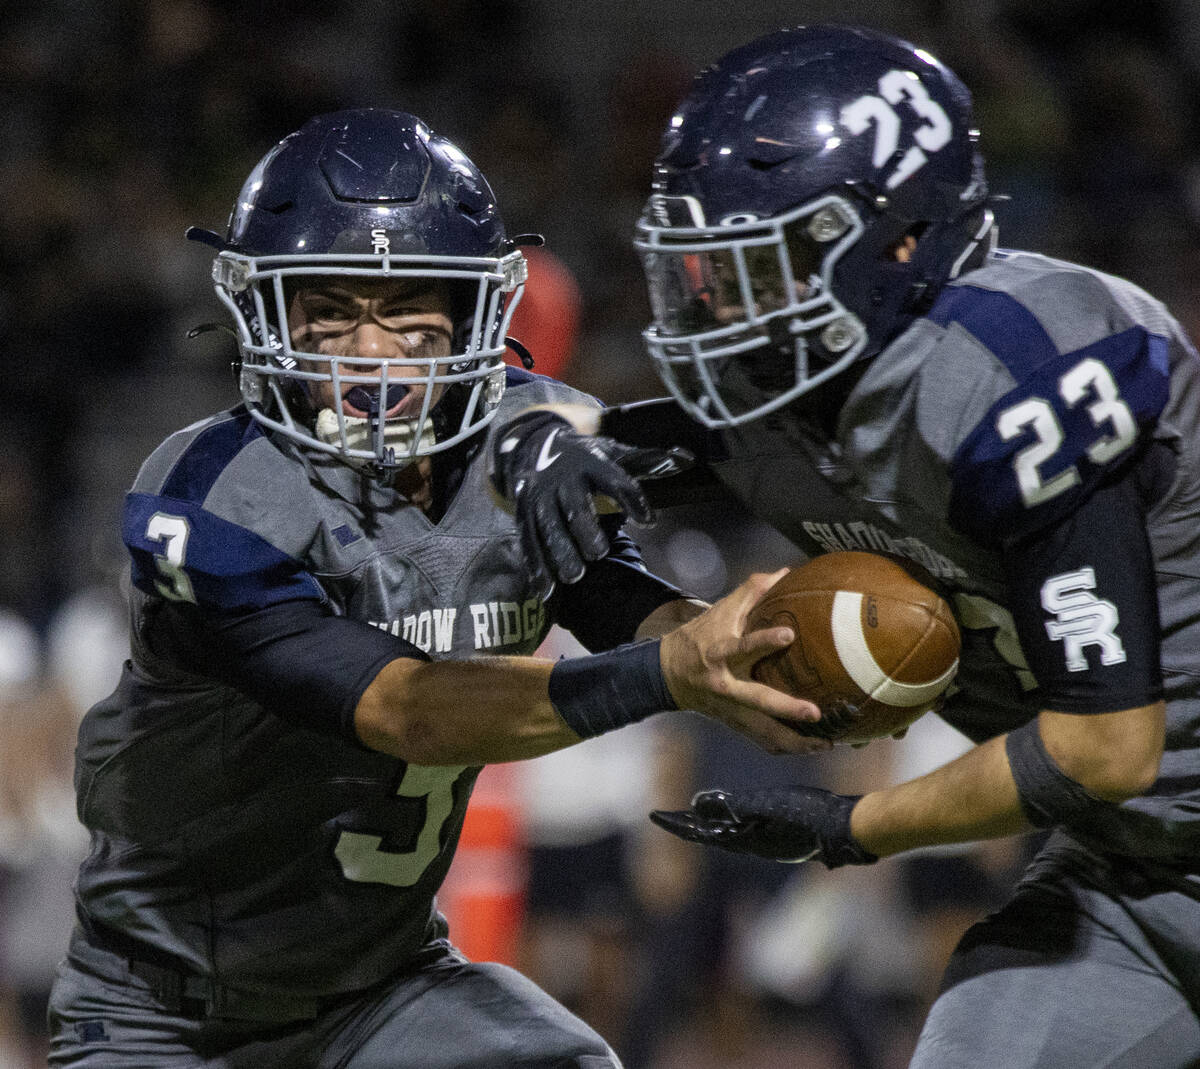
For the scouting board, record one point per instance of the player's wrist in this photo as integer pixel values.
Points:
(839, 846)
(860, 825)
(1048, 796)
(605, 691)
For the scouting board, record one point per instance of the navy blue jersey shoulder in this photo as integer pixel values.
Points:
(1070, 420)
(515, 376)
(203, 461)
(1000, 322)
(183, 552)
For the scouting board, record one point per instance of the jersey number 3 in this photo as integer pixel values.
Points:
(366, 859)
(1087, 379)
(171, 532)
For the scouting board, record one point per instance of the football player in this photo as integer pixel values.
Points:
(330, 628)
(851, 356)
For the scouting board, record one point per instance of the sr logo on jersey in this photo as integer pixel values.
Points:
(1081, 619)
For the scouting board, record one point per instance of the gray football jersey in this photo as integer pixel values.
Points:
(260, 853)
(993, 417)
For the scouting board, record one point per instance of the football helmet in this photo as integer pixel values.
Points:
(813, 192)
(369, 194)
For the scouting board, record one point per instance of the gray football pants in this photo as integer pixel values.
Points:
(452, 1014)
(1090, 964)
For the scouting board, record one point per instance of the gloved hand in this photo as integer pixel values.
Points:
(551, 475)
(780, 823)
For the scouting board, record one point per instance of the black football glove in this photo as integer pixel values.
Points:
(551, 474)
(780, 823)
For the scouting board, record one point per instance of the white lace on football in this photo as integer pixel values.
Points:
(850, 641)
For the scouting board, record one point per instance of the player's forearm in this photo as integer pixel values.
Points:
(462, 712)
(509, 708)
(973, 797)
(1100, 759)
(478, 711)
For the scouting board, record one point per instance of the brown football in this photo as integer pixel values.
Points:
(875, 646)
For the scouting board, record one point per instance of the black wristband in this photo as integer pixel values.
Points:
(609, 690)
(838, 846)
(1049, 797)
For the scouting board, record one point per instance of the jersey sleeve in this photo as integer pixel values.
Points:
(662, 424)
(616, 594)
(182, 552)
(1071, 422)
(295, 658)
(1084, 600)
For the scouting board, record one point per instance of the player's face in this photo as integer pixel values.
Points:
(384, 319)
(767, 285)
(697, 290)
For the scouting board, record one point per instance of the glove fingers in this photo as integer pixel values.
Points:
(619, 468)
(562, 556)
(626, 492)
(681, 822)
(645, 463)
(536, 562)
(546, 559)
(588, 537)
(611, 490)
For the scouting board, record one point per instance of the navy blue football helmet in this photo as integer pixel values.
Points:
(369, 193)
(813, 192)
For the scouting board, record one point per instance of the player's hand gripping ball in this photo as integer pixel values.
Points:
(875, 647)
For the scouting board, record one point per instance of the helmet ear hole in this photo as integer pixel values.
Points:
(903, 250)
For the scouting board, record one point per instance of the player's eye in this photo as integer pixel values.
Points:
(425, 342)
(766, 278)
(391, 314)
(323, 312)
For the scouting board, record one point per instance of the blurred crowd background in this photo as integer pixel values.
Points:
(124, 121)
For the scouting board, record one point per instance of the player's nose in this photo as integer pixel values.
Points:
(372, 339)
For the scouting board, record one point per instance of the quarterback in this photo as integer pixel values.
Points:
(331, 624)
(852, 357)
